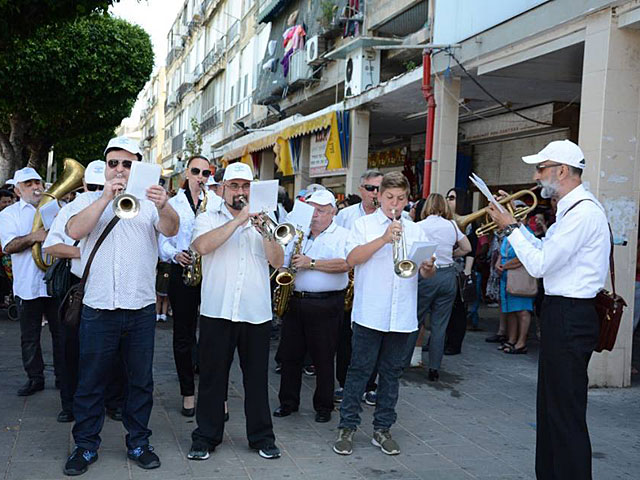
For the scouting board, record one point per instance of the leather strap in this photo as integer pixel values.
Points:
(612, 268)
(103, 235)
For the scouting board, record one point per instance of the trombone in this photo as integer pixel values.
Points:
(402, 266)
(519, 213)
(282, 233)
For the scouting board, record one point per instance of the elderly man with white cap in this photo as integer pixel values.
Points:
(573, 261)
(235, 313)
(316, 308)
(28, 280)
(118, 314)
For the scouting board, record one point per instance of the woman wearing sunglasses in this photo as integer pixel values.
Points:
(185, 299)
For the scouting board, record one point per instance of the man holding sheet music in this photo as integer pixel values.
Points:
(119, 306)
(384, 313)
(235, 313)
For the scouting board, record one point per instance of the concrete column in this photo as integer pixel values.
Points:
(302, 178)
(609, 133)
(267, 164)
(359, 151)
(445, 141)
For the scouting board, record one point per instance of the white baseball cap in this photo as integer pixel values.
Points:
(211, 181)
(560, 151)
(322, 197)
(26, 174)
(94, 173)
(10, 181)
(124, 143)
(236, 171)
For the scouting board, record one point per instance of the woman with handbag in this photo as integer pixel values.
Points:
(437, 293)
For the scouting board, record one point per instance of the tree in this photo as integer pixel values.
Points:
(68, 81)
(193, 142)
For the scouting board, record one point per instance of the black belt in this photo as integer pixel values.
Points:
(316, 295)
(572, 300)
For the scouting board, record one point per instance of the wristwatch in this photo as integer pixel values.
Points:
(508, 230)
(312, 264)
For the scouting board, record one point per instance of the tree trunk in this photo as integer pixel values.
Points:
(13, 150)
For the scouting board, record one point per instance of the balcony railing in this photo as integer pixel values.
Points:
(243, 108)
(177, 142)
(210, 120)
(174, 53)
(185, 87)
(233, 33)
(213, 57)
(151, 133)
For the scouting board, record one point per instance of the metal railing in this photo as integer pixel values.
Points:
(210, 120)
(174, 53)
(233, 33)
(177, 142)
(243, 108)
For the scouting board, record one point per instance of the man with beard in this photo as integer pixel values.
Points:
(573, 260)
(235, 314)
(28, 280)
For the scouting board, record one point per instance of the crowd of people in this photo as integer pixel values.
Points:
(351, 318)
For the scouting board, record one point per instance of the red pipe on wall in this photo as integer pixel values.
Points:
(427, 91)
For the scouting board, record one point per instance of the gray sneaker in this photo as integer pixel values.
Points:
(344, 443)
(382, 439)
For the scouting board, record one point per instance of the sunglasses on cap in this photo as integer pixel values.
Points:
(197, 171)
(125, 163)
(371, 188)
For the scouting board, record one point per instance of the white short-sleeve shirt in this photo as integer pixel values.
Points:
(443, 232)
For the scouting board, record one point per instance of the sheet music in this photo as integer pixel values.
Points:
(142, 176)
(478, 182)
(422, 251)
(263, 196)
(300, 216)
(48, 213)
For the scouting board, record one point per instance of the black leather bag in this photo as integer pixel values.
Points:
(71, 306)
(467, 287)
(59, 278)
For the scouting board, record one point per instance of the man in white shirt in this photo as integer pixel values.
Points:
(118, 312)
(316, 308)
(573, 261)
(235, 312)
(369, 187)
(28, 280)
(384, 313)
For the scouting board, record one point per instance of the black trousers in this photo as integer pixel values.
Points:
(569, 333)
(219, 339)
(30, 313)
(343, 354)
(184, 303)
(310, 325)
(457, 327)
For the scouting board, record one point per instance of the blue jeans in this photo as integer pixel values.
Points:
(105, 334)
(371, 347)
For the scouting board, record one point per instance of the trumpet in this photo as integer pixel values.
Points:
(519, 213)
(125, 205)
(402, 266)
(282, 233)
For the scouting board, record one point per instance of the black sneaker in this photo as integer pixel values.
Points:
(79, 461)
(309, 370)
(270, 452)
(144, 457)
(198, 452)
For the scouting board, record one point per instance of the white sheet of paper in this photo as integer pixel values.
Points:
(478, 182)
(263, 196)
(421, 251)
(142, 176)
(300, 216)
(48, 212)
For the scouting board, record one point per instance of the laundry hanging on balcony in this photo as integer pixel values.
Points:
(293, 39)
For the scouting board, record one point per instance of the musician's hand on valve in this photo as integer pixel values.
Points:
(183, 258)
(394, 230)
(300, 261)
(113, 187)
(158, 196)
(243, 217)
(502, 219)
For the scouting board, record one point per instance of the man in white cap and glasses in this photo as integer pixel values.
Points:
(573, 261)
(28, 280)
(235, 313)
(118, 315)
(316, 308)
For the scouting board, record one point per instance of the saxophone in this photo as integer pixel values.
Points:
(192, 273)
(286, 279)
(348, 294)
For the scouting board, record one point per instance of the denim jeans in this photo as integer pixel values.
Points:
(370, 348)
(105, 334)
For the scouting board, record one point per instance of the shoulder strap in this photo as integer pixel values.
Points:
(103, 235)
(612, 268)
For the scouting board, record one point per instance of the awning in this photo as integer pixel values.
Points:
(270, 9)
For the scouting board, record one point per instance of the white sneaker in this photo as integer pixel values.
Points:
(416, 357)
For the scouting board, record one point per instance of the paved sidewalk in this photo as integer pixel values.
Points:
(477, 422)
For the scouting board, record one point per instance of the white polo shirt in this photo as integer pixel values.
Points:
(382, 300)
(57, 235)
(235, 276)
(28, 280)
(330, 244)
(348, 215)
(443, 232)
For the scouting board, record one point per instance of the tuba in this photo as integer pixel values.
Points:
(520, 213)
(285, 280)
(70, 180)
(402, 266)
(192, 273)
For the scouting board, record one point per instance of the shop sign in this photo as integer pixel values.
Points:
(507, 124)
(318, 160)
(394, 157)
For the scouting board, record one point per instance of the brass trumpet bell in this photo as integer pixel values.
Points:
(126, 206)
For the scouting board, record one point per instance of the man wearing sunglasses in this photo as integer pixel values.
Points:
(118, 315)
(235, 314)
(369, 189)
(573, 261)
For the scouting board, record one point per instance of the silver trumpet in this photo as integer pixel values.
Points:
(282, 233)
(402, 266)
(126, 206)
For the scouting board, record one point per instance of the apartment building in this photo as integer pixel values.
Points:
(152, 117)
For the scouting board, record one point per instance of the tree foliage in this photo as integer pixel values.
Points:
(194, 141)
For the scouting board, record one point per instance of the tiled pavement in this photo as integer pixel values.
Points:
(477, 422)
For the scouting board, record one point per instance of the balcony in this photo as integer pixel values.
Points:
(233, 34)
(174, 54)
(177, 143)
(243, 108)
(210, 120)
(214, 61)
(150, 134)
(185, 87)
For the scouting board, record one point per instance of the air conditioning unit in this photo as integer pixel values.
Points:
(315, 47)
(173, 98)
(362, 71)
(299, 70)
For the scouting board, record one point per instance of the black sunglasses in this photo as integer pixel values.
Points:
(371, 188)
(125, 163)
(197, 171)
(451, 197)
(93, 187)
